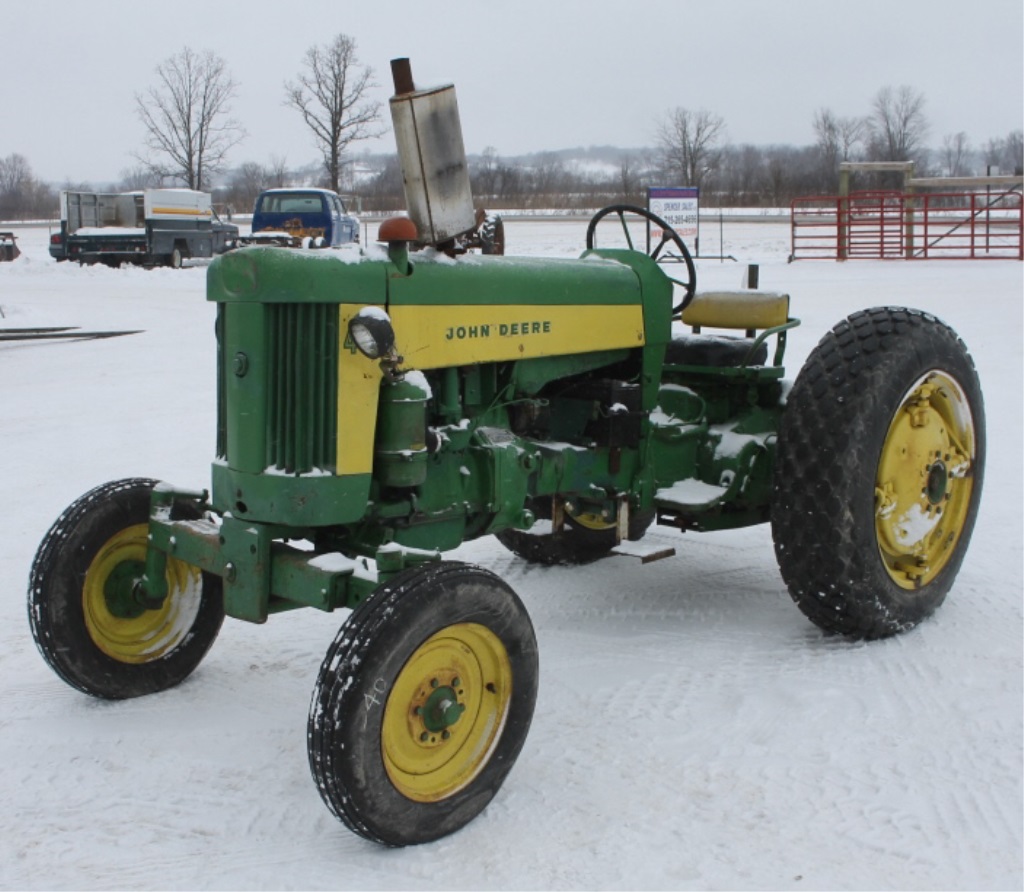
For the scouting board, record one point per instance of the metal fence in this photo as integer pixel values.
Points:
(985, 225)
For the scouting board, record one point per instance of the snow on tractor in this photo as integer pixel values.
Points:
(378, 409)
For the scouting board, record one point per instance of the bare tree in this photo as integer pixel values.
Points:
(186, 116)
(742, 173)
(385, 189)
(22, 196)
(484, 174)
(549, 177)
(277, 172)
(331, 95)
(688, 141)
(955, 153)
(851, 134)
(898, 125)
(628, 181)
(139, 177)
(17, 187)
(247, 181)
(837, 139)
(15, 173)
(1006, 155)
(1013, 152)
(826, 129)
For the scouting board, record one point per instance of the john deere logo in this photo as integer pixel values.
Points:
(501, 330)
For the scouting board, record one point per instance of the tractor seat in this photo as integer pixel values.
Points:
(717, 351)
(747, 311)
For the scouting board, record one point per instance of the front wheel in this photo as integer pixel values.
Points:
(85, 617)
(423, 703)
(878, 474)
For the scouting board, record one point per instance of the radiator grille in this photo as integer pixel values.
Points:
(302, 387)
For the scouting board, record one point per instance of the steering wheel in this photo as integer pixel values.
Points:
(668, 236)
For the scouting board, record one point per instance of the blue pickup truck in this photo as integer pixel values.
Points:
(302, 217)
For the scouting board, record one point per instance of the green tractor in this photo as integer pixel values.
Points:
(378, 407)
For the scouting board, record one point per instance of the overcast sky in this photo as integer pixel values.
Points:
(529, 74)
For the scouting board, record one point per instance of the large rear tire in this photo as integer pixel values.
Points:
(878, 473)
(423, 703)
(492, 235)
(84, 616)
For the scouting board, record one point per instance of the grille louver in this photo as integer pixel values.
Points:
(302, 387)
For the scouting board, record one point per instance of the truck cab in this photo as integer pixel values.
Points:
(316, 214)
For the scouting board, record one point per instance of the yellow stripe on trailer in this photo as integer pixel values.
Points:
(182, 212)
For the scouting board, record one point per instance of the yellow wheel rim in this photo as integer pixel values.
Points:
(924, 481)
(119, 627)
(446, 711)
(590, 520)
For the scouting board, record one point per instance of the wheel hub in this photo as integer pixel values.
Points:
(924, 480)
(441, 710)
(119, 624)
(445, 711)
(120, 590)
(937, 484)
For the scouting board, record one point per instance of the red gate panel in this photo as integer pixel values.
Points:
(888, 225)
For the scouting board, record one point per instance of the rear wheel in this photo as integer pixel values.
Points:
(492, 235)
(83, 610)
(878, 473)
(174, 258)
(423, 703)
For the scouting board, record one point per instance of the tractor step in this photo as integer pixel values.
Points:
(688, 496)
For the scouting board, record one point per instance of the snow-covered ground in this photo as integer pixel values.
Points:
(693, 730)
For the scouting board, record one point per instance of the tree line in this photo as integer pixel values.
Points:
(189, 132)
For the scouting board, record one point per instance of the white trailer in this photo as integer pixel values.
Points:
(153, 227)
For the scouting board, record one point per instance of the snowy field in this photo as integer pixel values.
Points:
(693, 730)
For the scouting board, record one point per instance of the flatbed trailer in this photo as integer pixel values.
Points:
(155, 227)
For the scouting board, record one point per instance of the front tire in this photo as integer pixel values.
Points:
(82, 611)
(423, 703)
(878, 473)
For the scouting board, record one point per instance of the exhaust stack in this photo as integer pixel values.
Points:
(428, 135)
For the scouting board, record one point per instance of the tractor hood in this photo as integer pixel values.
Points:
(470, 309)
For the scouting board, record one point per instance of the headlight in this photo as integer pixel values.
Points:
(371, 332)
